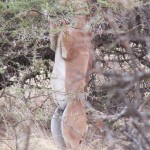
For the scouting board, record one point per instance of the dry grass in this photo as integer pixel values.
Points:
(25, 120)
(25, 125)
(37, 142)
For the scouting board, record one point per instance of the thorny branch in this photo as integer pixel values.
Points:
(119, 82)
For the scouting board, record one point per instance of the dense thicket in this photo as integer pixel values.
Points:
(120, 81)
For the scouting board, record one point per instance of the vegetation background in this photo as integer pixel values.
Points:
(118, 103)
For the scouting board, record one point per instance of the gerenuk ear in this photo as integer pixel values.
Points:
(55, 31)
(53, 35)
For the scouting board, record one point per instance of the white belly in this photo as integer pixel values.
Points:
(58, 80)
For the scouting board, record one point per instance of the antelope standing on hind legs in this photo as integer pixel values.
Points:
(73, 61)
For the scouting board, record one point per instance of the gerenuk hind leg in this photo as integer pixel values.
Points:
(56, 129)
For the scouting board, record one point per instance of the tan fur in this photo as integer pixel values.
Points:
(78, 61)
(81, 6)
(74, 123)
(75, 46)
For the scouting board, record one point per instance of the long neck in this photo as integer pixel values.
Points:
(81, 22)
